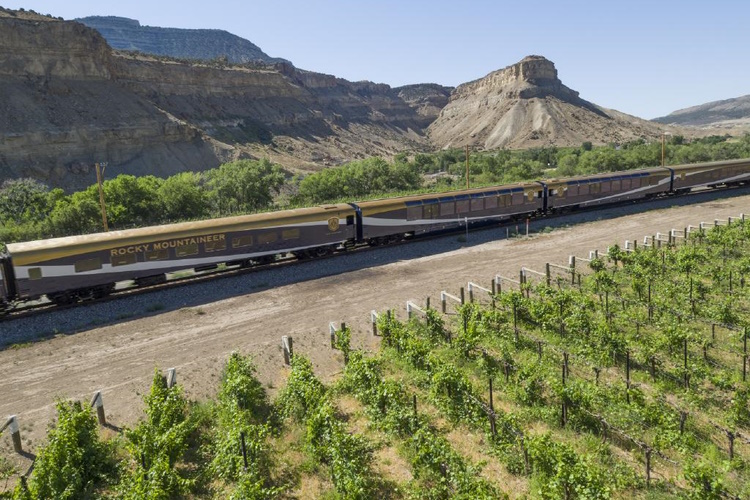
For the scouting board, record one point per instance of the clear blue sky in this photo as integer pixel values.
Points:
(645, 58)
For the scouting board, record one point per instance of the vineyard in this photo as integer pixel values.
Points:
(624, 377)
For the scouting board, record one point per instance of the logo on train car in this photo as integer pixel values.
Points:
(333, 224)
(163, 245)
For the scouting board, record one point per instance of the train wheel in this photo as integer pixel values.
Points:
(61, 298)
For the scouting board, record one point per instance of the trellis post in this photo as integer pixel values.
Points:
(96, 402)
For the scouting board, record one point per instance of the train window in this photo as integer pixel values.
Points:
(635, 182)
(560, 193)
(462, 206)
(583, 189)
(595, 188)
(490, 202)
(625, 184)
(413, 213)
(477, 204)
(447, 208)
(35, 273)
(162, 254)
(123, 260)
(88, 265)
(430, 211)
(185, 250)
(573, 190)
(349, 220)
(615, 185)
(266, 238)
(215, 246)
(290, 234)
(606, 186)
(516, 199)
(242, 241)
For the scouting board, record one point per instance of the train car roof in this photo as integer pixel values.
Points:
(427, 198)
(604, 176)
(182, 229)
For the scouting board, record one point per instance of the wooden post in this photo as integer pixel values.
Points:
(563, 416)
(683, 417)
(494, 286)
(243, 449)
(442, 302)
(286, 347)
(96, 402)
(414, 403)
(744, 355)
(471, 294)
(685, 363)
(596, 371)
(648, 467)
(548, 274)
(731, 437)
(492, 406)
(427, 304)
(539, 349)
(572, 265)
(463, 300)
(627, 376)
(15, 433)
(374, 321)
(171, 378)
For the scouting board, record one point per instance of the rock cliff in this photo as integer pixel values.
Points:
(128, 34)
(527, 105)
(61, 110)
(67, 100)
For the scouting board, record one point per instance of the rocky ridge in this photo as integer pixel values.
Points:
(202, 44)
(526, 105)
(67, 100)
(724, 114)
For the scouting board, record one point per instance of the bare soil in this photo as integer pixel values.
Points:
(119, 359)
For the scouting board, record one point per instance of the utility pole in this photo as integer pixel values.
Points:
(99, 175)
(467, 166)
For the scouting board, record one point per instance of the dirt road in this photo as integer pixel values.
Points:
(119, 359)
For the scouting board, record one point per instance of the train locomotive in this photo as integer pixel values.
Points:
(76, 268)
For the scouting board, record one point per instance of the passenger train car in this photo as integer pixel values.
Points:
(88, 266)
(78, 267)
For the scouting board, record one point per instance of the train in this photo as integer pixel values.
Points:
(76, 268)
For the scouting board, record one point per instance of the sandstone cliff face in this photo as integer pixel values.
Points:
(61, 111)
(526, 105)
(68, 101)
(128, 34)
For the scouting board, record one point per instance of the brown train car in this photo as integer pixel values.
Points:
(391, 219)
(710, 174)
(88, 265)
(602, 189)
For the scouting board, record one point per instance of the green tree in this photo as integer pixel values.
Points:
(182, 197)
(243, 186)
(23, 200)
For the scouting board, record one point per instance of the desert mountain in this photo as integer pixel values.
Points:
(728, 113)
(204, 44)
(68, 100)
(527, 105)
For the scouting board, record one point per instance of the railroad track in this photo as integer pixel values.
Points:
(180, 280)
